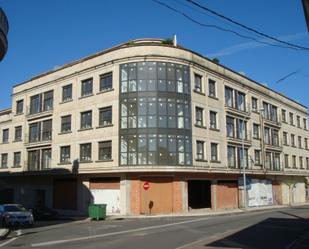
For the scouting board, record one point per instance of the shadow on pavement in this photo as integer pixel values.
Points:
(272, 233)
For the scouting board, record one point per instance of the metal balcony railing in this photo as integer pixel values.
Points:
(38, 137)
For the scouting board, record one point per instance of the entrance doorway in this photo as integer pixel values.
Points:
(199, 194)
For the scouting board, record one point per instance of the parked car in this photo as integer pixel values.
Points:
(44, 213)
(14, 215)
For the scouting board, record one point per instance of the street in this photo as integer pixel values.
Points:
(280, 228)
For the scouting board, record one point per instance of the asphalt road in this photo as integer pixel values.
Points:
(286, 228)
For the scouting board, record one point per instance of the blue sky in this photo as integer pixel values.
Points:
(46, 34)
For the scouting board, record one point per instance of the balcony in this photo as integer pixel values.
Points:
(272, 122)
(38, 138)
(45, 111)
(273, 144)
(237, 139)
(243, 112)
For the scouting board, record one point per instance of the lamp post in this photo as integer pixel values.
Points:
(243, 163)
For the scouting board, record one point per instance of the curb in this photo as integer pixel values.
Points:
(4, 233)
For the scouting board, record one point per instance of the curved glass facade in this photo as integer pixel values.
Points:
(155, 114)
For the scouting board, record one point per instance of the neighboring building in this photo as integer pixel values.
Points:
(4, 29)
(146, 114)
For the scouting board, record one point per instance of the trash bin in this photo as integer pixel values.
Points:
(97, 211)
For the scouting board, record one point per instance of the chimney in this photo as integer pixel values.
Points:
(175, 41)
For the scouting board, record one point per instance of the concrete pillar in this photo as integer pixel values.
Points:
(125, 199)
(214, 194)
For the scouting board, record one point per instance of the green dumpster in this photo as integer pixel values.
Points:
(97, 211)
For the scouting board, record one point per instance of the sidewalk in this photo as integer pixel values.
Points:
(206, 212)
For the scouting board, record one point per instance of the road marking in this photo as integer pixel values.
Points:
(7, 242)
(55, 242)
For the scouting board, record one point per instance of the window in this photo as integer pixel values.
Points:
(35, 104)
(4, 160)
(275, 137)
(65, 154)
(291, 118)
(106, 81)
(229, 98)
(47, 130)
(46, 158)
(199, 116)
(34, 132)
(212, 88)
(307, 163)
(86, 120)
(242, 157)
(241, 129)
(86, 87)
(213, 120)
(18, 133)
(285, 138)
(286, 161)
(85, 152)
(267, 135)
(274, 113)
(48, 100)
(298, 121)
(240, 101)
(306, 143)
(276, 165)
(214, 152)
(200, 150)
(5, 136)
(270, 112)
(301, 165)
(268, 160)
(198, 83)
(17, 157)
(105, 150)
(19, 106)
(230, 130)
(254, 104)
(231, 158)
(67, 93)
(256, 131)
(283, 115)
(292, 140)
(257, 157)
(294, 162)
(305, 123)
(105, 116)
(299, 142)
(66, 123)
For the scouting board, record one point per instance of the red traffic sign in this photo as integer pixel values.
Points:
(146, 185)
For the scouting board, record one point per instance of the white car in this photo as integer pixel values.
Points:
(14, 215)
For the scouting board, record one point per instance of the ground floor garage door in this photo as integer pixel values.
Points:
(199, 194)
(158, 198)
(106, 191)
(227, 194)
(65, 194)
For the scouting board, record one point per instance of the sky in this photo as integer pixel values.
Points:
(46, 34)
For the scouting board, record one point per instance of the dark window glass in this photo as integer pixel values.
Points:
(257, 157)
(283, 114)
(200, 150)
(198, 83)
(5, 136)
(214, 152)
(33, 160)
(286, 161)
(294, 162)
(213, 120)
(48, 101)
(240, 101)
(106, 81)
(256, 131)
(67, 93)
(85, 152)
(231, 158)
(105, 116)
(4, 160)
(212, 88)
(18, 133)
(19, 106)
(293, 140)
(230, 127)
(47, 130)
(305, 123)
(46, 159)
(105, 150)
(66, 123)
(87, 87)
(34, 132)
(229, 98)
(298, 121)
(285, 138)
(254, 104)
(65, 154)
(35, 104)
(86, 120)
(17, 158)
(291, 119)
(199, 116)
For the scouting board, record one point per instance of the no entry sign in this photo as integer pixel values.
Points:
(146, 185)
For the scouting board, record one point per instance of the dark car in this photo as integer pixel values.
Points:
(15, 215)
(44, 213)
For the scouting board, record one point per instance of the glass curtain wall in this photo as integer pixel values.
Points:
(155, 114)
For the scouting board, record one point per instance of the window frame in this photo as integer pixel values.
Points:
(109, 86)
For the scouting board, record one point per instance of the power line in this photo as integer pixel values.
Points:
(246, 27)
(220, 28)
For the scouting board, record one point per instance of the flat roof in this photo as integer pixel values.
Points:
(157, 42)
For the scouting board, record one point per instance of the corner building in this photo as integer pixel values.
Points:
(149, 127)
